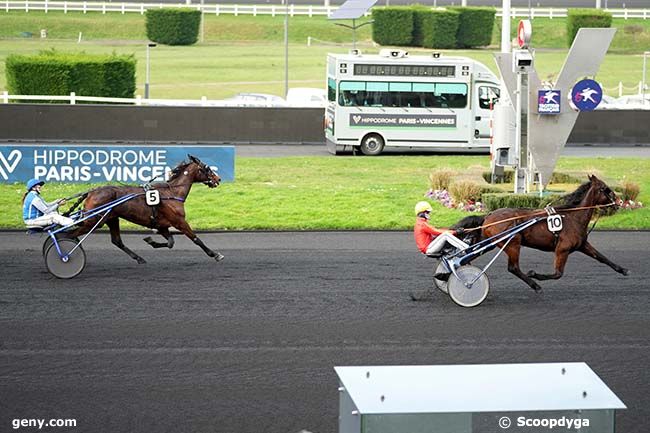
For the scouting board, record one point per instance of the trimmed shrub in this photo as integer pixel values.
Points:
(493, 201)
(589, 18)
(475, 25)
(173, 26)
(440, 28)
(420, 15)
(54, 73)
(630, 190)
(440, 179)
(464, 191)
(392, 25)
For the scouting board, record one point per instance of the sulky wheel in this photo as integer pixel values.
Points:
(470, 296)
(372, 144)
(49, 241)
(68, 266)
(440, 284)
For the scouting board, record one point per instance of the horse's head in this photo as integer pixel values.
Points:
(602, 193)
(195, 171)
(202, 173)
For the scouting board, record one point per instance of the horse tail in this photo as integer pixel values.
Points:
(76, 204)
(471, 222)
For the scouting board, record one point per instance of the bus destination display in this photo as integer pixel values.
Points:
(405, 70)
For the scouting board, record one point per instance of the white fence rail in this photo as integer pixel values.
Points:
(273, 10)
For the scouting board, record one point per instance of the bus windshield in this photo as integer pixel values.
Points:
(401, 94)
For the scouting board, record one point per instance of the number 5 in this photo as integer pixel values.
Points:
(152, 197)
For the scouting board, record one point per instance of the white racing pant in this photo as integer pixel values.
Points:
(439, 243)
(49, 219)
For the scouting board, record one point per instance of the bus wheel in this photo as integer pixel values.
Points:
(372, 144)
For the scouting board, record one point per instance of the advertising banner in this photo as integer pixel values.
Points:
(71, 163)
(404, 120)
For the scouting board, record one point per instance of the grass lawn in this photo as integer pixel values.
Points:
(221, 70)
(342, 193)
(245, 53)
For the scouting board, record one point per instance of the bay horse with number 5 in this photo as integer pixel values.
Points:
(576, 211)
(170, 212)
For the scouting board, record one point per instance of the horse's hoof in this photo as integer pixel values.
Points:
(537, 288)
(625, 272)
(531, 274)
(141, 261)
(219, 257)
(148, 239)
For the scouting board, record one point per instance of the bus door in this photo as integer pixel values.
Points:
(485, 95)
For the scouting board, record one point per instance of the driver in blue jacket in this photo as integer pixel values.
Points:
(39, 213)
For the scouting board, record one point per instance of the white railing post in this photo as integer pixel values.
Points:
(141, 8)
(272, 10)
(216, 10)
(640, 87)
(291, 9)
(27, 6)
(254, 10)
(310, 11)
(5, 97)
(620, 89)
(104, 8)
(65, 7)
(550, 13)
(204, 101)
(625, 13)
(122, 8)
(236, 10)
(45, 6)
(85, 6)
(73, 100)
(138, 100)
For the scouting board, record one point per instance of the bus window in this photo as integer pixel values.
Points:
(331, 89)
(451, 95)
(487, 96)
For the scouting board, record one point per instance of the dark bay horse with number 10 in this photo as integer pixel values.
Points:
(169, 213)
(576, 210)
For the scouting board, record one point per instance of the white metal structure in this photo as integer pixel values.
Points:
(396, 100)
(261, 9)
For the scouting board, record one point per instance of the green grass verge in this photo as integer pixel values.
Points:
(221, 70)
(300, 193)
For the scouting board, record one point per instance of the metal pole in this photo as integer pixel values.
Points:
(146, 79)
(505, 27)
(286, 48)
(202, 23)
(354, 40)
(645, 60)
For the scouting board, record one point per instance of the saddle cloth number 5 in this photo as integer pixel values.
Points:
(554, 223)
(152, 197)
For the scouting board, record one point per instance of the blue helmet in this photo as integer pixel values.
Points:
(31, 183)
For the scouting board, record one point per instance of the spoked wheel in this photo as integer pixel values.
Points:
(470, 296)
(440, 284)
(372, 144)
(68, 266)
(49, 241)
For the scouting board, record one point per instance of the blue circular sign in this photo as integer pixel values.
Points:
(586, 95)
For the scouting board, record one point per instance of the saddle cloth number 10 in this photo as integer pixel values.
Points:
(554, 223)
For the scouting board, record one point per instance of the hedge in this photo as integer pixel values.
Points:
(392, 25)
(578, 18)
(475, 26)
(55, 73)
(173, 26)
(494, 201)
(440, 28)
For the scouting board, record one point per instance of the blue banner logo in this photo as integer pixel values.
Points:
(548, 101)
(586, 95)
(104, 163)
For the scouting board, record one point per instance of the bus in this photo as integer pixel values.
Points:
(396, 100)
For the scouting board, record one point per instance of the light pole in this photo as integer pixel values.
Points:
(146, 79)
(286, 48)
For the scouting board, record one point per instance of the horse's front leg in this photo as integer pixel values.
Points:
(592, 252)
(512, 251)
(164, 232)
(185, 228)
(561, 256)
(114, 226)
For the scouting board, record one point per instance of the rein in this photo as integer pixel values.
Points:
(541, 212)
